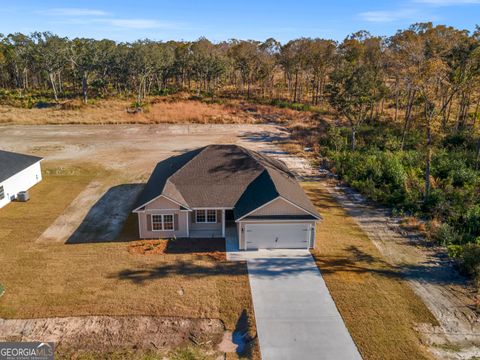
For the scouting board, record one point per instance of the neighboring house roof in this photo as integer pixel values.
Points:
(12, 163)
(224, 176)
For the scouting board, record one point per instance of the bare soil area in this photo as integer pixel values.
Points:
(132, 149)
(104, 334)
(210, 248)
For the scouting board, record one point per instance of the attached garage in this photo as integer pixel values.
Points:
(278, 224)
(278, 236)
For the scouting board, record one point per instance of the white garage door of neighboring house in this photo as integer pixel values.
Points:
(277, 236)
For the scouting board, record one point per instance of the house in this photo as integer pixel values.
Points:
(18, 172)
(207, 191)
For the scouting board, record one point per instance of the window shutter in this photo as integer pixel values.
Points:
(219, 216)
(175, 222)
(149, 222)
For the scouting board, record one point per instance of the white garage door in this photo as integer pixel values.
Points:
(277, 236)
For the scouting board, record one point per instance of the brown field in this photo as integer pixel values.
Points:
(379, 308)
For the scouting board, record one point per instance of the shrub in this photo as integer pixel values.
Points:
(455, 251)
(464, 176)
(468, 257)
(2, 290)
(379, 175)
(446, 235)
(289, 105)
(472, 221)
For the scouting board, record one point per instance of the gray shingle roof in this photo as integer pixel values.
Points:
(228, 176)
(12, 163)
(157, 184)
(280, 217)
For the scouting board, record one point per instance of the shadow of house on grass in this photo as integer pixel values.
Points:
(107, 219)
(186, 268)
(360, 262)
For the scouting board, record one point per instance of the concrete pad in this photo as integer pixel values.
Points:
(295, 314)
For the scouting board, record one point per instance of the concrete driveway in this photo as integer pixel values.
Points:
(295, 314)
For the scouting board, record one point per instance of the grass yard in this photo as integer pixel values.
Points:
(58, 280)
(378, 306)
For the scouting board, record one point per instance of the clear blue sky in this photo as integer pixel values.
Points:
(225, 19)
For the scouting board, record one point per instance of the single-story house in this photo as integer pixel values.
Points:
(18, 172)
(207, 191)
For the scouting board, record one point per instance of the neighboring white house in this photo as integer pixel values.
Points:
(18, 172)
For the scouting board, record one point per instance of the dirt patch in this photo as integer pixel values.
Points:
(115, 333)
(233, 343)
(132, 150)
(211, 248)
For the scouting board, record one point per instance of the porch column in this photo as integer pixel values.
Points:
(223, 223)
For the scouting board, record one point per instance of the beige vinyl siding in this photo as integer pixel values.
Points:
(180, 224)
(163, 206)
(162, 203)
(278, 207)
(241, 229)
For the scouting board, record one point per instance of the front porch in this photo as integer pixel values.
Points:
(206, 233)
(209, 223)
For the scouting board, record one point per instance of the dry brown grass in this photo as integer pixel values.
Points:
(411, 223)
(378, 306)
(158, 110)
(46, 280)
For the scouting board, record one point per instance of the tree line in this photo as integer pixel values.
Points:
(401, 68)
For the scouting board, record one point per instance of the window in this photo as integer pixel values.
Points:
(211, 216)
(200, 216)
(162, 222)
(206, 216)
(2, 193)
(167, 222)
